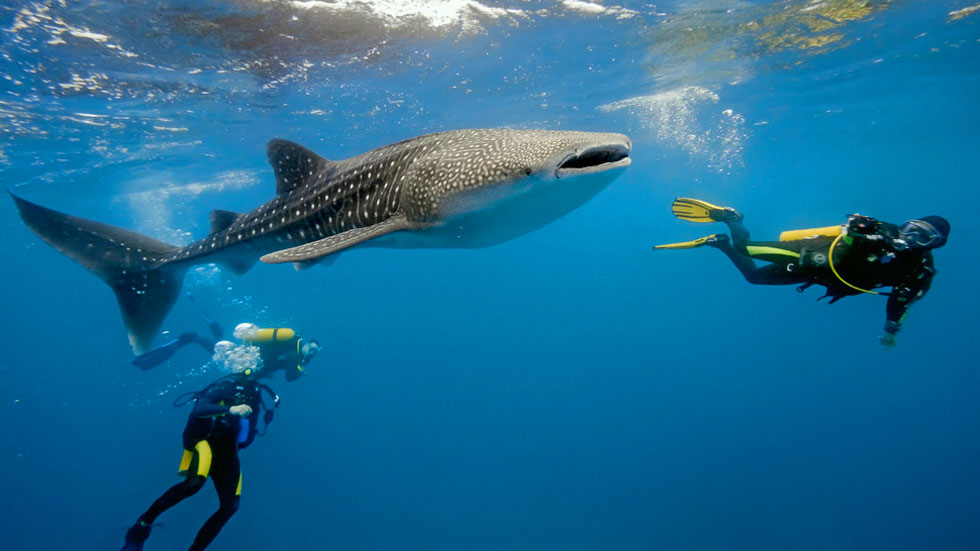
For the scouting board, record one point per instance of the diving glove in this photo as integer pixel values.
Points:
(243, 410)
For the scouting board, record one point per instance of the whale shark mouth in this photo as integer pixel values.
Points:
(594, 159)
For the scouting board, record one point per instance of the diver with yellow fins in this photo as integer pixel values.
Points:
(849, 259)
(225, 419)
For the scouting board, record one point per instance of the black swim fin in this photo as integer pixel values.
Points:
(152, 358)
(206, 344)
(136, 536)
(156, 356)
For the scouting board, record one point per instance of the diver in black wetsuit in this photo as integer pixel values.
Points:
(223, 421)
(855, 258)
(281, 348)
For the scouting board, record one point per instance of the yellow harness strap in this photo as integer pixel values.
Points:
(299, 353)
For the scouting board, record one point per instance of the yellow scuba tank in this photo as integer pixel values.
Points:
(826, 231)
(272, 334)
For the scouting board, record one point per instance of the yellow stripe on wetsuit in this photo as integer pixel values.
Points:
(185, 462)
(203, 451)
(759, 250)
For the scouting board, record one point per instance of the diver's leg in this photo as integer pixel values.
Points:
(740, 235)
(776, 273)
(227, 477)
(206, 344)
(177, 493)
(197, 474)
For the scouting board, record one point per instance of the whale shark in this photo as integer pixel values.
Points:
(457, 189)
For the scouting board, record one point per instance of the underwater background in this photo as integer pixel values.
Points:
(570, 389)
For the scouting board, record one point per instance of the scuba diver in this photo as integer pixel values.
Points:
(157, 355)
(849, 259)
(224, 420)
(281, 348)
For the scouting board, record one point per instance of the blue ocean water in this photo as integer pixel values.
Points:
(569, 389)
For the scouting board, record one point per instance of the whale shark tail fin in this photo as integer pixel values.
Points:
(137, 267)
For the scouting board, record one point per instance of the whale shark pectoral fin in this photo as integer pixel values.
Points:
(323, 262)
(339, 242)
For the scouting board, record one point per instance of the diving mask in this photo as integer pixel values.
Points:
(309, 349)
(920, 234)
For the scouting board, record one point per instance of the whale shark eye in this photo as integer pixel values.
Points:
(527, 171)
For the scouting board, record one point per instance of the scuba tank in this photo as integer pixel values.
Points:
(826, 231)
(814, 250)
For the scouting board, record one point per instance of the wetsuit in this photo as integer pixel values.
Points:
(281, 349)
(866, 258)
(212, 439)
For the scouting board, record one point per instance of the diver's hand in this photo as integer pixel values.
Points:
(891, 332)
(244, 410)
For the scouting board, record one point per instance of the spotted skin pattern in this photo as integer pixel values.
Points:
(418, 177)
(323, 206)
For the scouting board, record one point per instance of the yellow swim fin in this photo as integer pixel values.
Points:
(696, 210)
(700, 242)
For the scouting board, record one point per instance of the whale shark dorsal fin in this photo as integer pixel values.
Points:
(293, 164)
(221, 219)
(339, 242)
